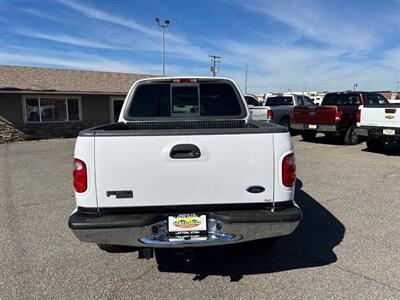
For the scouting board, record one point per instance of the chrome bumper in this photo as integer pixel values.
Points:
(319, 127)
(220, 232)
(377, 132)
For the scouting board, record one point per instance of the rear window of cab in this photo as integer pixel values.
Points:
(341, 99)
(279, 100)
(353, 99)
(202, 99)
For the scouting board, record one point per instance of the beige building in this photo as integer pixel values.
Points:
(50, 102)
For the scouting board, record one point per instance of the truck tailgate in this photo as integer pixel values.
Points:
(383, 116)
(143, 165)
(258, 113)
(315, 114)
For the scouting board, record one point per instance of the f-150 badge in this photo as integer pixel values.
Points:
(120, 194)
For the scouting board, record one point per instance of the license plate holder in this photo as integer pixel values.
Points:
(389, 131)
(187, 224)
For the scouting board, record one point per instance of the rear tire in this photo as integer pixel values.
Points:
(116, 248)
(351, 138)
(308, 136)
(375, 145)
(285, 122)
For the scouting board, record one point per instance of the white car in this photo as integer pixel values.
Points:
(379, 122)
(181, 178)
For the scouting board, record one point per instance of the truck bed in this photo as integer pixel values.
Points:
(387, 115)
(222, 161)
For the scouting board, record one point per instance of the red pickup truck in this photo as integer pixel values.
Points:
(336, 115)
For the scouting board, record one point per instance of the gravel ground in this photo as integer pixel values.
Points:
(347, 245)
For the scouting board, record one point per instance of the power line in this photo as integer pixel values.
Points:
(334, 78)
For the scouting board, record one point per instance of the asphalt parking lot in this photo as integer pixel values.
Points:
(347, 245)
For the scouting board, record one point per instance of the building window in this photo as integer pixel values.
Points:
(52, 109)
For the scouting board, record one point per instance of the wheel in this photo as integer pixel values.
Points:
(375, 145)
(115, 248)
(285, 122)
(308, 136)
(351, 137)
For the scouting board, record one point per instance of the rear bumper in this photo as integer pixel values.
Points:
(150, 229)
(315, 127)
(376, 132)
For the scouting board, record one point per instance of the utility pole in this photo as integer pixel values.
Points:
(354, 86)
(398, 82)
(215, 60)
(163, 26)
(245, 80)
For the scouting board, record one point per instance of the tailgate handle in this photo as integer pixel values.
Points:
(183, 151)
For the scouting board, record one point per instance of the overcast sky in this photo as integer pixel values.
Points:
(298, 45)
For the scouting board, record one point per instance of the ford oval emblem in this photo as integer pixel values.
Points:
(255, 189)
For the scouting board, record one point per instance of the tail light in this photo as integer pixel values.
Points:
(289, 170)
(270, 114)
(291, 116)
(338, 115)
(358, 116)
(184, 80)
(80, 176)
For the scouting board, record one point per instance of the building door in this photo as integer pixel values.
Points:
(116, 105)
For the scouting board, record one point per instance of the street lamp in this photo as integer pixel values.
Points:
(163, 26)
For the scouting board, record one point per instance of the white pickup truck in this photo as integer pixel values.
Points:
(258, 112)
(179, 170)
(379, 124)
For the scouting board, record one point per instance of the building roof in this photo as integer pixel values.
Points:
(34, 79)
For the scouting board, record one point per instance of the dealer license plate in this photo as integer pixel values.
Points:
(312, 126)
(388, 131)
(189, 223)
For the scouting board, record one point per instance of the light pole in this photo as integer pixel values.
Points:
(354, 86)
(163, 26)
(245, 80)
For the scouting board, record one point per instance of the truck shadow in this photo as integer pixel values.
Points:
(311, 245)
(388, 150)
(326, 140)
